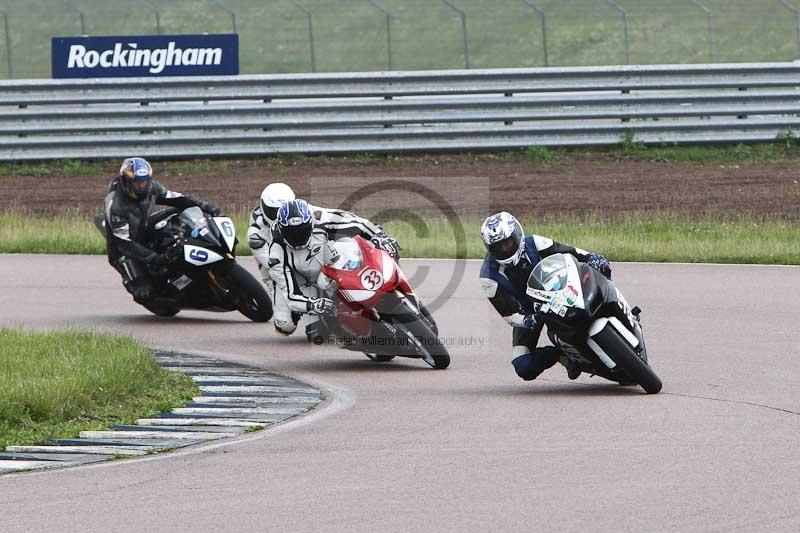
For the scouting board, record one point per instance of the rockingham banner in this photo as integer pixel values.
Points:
(145, 55)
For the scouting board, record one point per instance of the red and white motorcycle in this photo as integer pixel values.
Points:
(377, 312)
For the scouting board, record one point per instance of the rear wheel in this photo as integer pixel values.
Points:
(251, 298)
(627, 359)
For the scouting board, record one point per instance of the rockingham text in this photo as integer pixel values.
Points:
(130, 55)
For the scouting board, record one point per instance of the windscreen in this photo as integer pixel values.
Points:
(550, 274)
(345, 254)
(194, 218)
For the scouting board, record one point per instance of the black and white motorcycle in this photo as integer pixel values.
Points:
(202, 272)
(588, 319)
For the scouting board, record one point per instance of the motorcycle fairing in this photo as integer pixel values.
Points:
(226, 229)
(198, 256)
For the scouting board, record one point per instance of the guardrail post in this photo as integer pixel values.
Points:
(156, 13)
(711, 37)
(8, 46)
(80, 14)
(310, 21)
(543, 23)
(624, 14)
(796, 13)
(230, 12)
(388, 15)
(464, 34)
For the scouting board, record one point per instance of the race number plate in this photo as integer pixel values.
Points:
(371, 279)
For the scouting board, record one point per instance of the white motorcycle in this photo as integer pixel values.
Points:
(588, 319)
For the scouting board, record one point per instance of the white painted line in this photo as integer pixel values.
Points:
(241, 379)
(92, 450)
(213, 371)
(255, 399)
(237, 410)
(197, 435)
(198, 422)
(27, 465)
(251, 388)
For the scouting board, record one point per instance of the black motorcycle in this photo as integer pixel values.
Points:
(202, 272)
(588, 319)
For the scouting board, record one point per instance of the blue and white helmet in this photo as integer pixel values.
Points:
(503, 237)
(295, 222)
(137, 176)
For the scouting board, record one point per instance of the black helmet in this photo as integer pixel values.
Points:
(295, 223)
(136, 176)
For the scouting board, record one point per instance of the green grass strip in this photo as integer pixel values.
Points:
(54, 385)
(659, 237)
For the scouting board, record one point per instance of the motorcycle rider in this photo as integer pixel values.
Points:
(510, 258)
(302, 241)
(128, 204)
(334, 222)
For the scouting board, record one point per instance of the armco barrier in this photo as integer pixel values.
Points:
(397, 111)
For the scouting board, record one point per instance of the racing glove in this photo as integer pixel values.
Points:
(598, 262)
(209, 208)
(320, 306)
(387, 244)
(529, 322)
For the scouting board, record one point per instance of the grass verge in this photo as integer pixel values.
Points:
(661, 237)
(58, 384)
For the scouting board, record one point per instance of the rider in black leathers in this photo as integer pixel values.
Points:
(128, 204)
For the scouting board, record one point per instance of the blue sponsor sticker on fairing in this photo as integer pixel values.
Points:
(145, 55)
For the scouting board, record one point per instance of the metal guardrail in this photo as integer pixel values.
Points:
(397, 111)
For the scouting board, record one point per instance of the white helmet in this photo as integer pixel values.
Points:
(503, 237)
(272, 197)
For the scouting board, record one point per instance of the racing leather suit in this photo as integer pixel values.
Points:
(505, 287)
(292, 273)
(126, 221)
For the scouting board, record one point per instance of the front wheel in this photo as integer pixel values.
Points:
(250, 297)
(629, 362)
(427, 344)
(379, 358)
(161, 309)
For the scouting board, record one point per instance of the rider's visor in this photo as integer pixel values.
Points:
(269, 213)
(142, 185)
(504, 249)
(298, 235)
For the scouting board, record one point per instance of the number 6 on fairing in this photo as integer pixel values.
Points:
(199, 255)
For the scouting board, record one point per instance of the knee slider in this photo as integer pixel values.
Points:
(526, 366)
(284, 327)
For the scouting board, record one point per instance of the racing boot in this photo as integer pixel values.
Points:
(573, 369)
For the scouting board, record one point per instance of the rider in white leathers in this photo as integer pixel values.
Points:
(293, 264)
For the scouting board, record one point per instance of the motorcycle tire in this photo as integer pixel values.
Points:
(438, 358)
(379, 358)
(628, 361)
(162, 310)
(428, 317)
(252, 300)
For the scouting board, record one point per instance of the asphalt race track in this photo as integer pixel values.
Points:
(401, 447)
